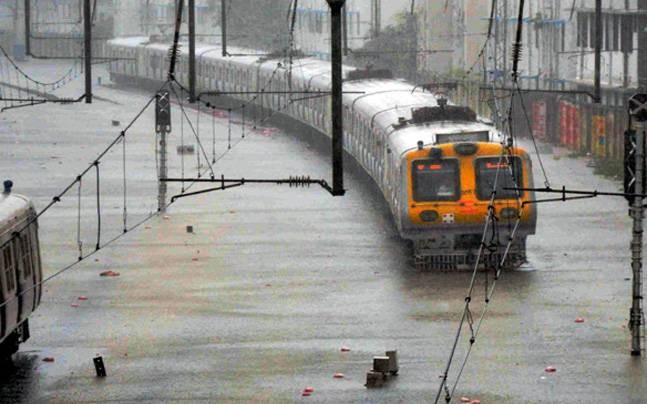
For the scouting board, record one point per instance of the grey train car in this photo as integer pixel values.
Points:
(431, 160)
(20, 269)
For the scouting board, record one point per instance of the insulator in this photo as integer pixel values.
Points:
(174, 51)
(517, 49)
(516, 56)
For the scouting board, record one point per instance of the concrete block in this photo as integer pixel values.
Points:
(381, 364)
(374, 379)
(393, 362)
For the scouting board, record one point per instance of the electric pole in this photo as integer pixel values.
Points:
(625, 58)
(637, 211)
(634, 183)
(27, 27)
(87, 34)
(413, 46)
(191, 51)
(498, 47)
(376, 18)
(162, 127)
(337, 112)
(598, 49)
(458, 13)
(642, 45)
(345, 27)
(223, 26)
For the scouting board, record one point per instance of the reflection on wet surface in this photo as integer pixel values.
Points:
(284, 277)
(19, 378)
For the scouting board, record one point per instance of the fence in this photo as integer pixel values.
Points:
(63, 45)
(565, 119)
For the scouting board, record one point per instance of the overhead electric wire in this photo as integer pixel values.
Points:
(485, 43)
(487, 40)
(493, 221)
(91, 253)
(173, 53)
(79, 179)
(197, 137)
(67, 77)
(58, 197)
(532, 136)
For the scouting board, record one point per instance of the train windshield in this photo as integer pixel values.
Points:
(435, 180)
(486, 176)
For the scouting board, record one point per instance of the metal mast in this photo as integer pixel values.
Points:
(498, 48)
(87, 34)
(337, 107)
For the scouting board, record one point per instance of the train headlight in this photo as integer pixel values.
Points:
(466, 149)
(429, 215)
(509, 213)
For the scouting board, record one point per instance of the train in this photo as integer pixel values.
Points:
(433, 161)
(20, 269)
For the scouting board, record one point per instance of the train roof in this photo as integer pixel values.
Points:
(384, 103)
(206, 51)
(406, 139)
(13, 208)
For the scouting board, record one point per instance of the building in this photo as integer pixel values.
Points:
(450, 34)
(312, 33)
(154, 17)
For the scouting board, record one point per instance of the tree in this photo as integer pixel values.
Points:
(394, 49)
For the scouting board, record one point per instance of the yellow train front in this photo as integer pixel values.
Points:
(449, 194)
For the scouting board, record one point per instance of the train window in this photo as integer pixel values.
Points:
(486, 176)
(435, 180)
(25, 252)
(9, 272)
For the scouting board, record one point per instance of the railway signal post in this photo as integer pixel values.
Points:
(162, 128)
(638, 111)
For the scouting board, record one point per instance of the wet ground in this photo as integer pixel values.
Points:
(256, 303)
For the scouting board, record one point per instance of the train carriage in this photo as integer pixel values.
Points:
(410, 142)
(20, 269)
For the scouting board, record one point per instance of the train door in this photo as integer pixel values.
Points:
(16, 251)
(8, 269)
(25, 276)
(38, 267)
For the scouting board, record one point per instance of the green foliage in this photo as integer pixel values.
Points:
(382, 52)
